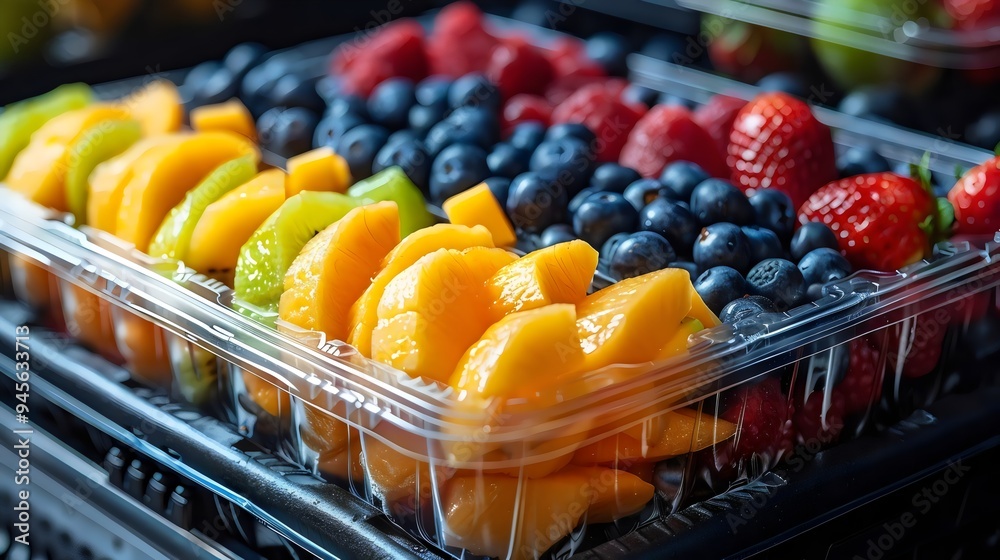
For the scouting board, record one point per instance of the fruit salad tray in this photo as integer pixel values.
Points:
(499, 382)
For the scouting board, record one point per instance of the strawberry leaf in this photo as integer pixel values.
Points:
(937, 225)
(921, 172)
(959, 171)
(997, 149)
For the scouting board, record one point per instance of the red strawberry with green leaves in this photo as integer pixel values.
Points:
(669, 133)
(883, 221)
(976, 199)
(777, 143)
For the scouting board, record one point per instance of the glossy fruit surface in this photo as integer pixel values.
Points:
(602, 215)
(639, 254)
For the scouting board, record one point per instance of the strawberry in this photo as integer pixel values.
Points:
(523, 108)
(883, 221)
(814, 424)
(761, 413)
(750, 52)
(976, 199)
(861, 386)
(569, 59)
(777, 143)
(973, 14)
(460, 43)
(918, 342)
(396, 50)
(518, 67)
(717, 117)
(602, 110)
(668, 133)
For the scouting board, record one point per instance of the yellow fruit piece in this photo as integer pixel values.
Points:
(157, 107)
(230, 116)
(229, 222)
(39, 170)
(321, 169)
(338, 446)
(561, 273)
(335, 267)
(495, 515)
(397, 478)
(270, 399)
(108, 180)
(478, 206)
(666, 435)
(701, 312)
(678, 344)
(161, 178)
(364, 312)
(628, 322)
(523, 349)
(432, 311)
(143, 345)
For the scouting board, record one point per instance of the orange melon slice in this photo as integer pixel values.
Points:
(561, 273)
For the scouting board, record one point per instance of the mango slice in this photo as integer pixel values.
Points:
(157, 107)
(101, 142)
(667, 435)
(336, 266)
(678, 344)
(230, 116)
(39, 171)
(561, 273)
(108, 180)
(393, 184)
(321, 169)
(628, 322)
(434, 310)
(228, 223)
(701, 312)
(399, 479)
(19, 121)
(478, 206)
(364, 312)
(269, 398)
(160, 179)
(337, 444)
(494, 515)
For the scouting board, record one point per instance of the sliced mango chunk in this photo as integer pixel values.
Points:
(336, 266)
(364, 312)
(561, 273)
(666, 435)
(157, 107)
(230, 116)
(160, 179)
(321, 169)
(678, 344)
(628, 322)
(478, 206)
(432, 311)
(20, 120)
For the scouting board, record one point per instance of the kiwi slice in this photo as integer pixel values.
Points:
(20, 120)
(264, 259)
(173, 238)
(393, 184)
(99, 143)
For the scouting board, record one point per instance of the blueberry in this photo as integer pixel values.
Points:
(639, 254)
(861, 159)
(764, 244)
(499, 186)
(744, 308)
(580, 197)
(200, 74)
(390, 102)
(823, 265)
(691, 268)
(773, 210)
(409, 155)
(536, 201)
(465, 125)
(779, 281)
(787, 82)
(602, 215)
(457, 168)
(642, 192)
(985, 131)
(572, 130)
(609, 50)
(881, 103)
(640, 94)
(405, 135)
(256, 85)
(527, 135)
(665, 46)
(286, 132)
(555, 234)
(422, 118)
(507, 161)
(474, 90)
(673, 221)
(433, 91)
(292, 90)
(332, 128)
(680, 178)
(722, 244)
(568, 159)
(716, 200)
(610, 246)
(347, 104)
(221, 86)
(613, 177)
(359, 145)
(720, 285)
(329, 88)
(811, 236)
(241, 58)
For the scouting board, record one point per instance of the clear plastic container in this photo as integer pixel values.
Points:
(897, 32)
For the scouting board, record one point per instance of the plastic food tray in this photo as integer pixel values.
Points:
(890, 34)
(495, 482)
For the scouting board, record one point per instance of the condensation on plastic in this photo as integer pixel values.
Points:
(893, 33)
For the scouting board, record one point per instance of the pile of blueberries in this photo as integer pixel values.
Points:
(446, 135)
